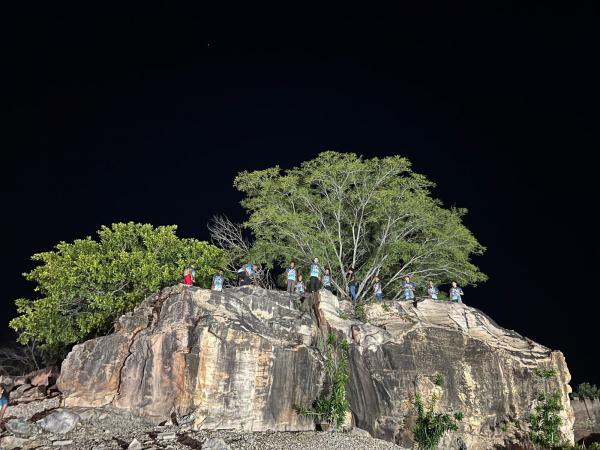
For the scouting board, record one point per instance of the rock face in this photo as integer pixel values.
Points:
(243, 358)
(237, 359)
(482, 370)
(587, 419)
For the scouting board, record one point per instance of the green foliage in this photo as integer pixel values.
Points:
(375, 215)
(360, 313)
(438, 380)
(587, 390)
(85, 285)
(332, 407)
(544, 373)
(386, 307)
(545, 421)
(431, 426)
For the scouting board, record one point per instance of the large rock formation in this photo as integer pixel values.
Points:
(482, 370)
(239, 359)
(243, 358)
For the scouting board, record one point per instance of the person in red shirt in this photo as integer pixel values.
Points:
(187, 277)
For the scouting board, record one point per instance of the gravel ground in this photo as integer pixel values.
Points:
(104, 429)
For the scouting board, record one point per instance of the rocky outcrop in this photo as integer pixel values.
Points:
(587, 419)
(458, 353)
(237, 359)
(243, 358)
(34, 386)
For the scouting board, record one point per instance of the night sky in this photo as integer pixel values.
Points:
(147, 114)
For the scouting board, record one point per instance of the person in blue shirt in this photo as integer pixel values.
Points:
(217, 281)
(433, 291)
(3, 401)
(299, 285)
(377, 290)
(456, 293)
(315, 275)
(326, 280)
(245, 274)
(409, 288)
(290, 276)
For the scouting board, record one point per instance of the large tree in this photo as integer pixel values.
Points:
(85, 285)
(374, 215)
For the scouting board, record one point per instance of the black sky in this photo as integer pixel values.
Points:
(147, 113)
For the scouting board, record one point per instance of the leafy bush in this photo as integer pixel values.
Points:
(545, 421)
(438, 380)
(431, 426)
(332, 407)
(85, 285)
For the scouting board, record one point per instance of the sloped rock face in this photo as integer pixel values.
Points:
(483, 370)
(237, 359)
(243, 358)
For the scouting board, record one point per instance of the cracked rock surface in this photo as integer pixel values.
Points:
(241, 359)
(451, 350)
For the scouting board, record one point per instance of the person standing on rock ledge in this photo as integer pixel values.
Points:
(217, 282)
(315, 275)
(3, 401)
(290, 275)
(299, 285)
(187, 277)
(377, 289)
(326, 280)
(433, 291)
(456, 293)
(352, 283)
(408, 288)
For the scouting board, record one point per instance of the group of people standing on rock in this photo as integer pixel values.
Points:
(321, 279)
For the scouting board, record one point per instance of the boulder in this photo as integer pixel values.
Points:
(59, 422)
(14, 443)
(21, 427)
(135, 445)
(237, 359)
(44, 377)
(31, 394)
(215, 444)
(243, 358)
(454, 351)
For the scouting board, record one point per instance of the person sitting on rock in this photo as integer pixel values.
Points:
(290, 276)
(326, 280)
(3, 401)
(187, 277)
(433, 291)
(217, 281)
(315, 275)
(299, 285)
(409, 288)
(456, 293)
(377, 290)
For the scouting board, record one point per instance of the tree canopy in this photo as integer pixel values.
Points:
(85, 285)
(374, 215)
